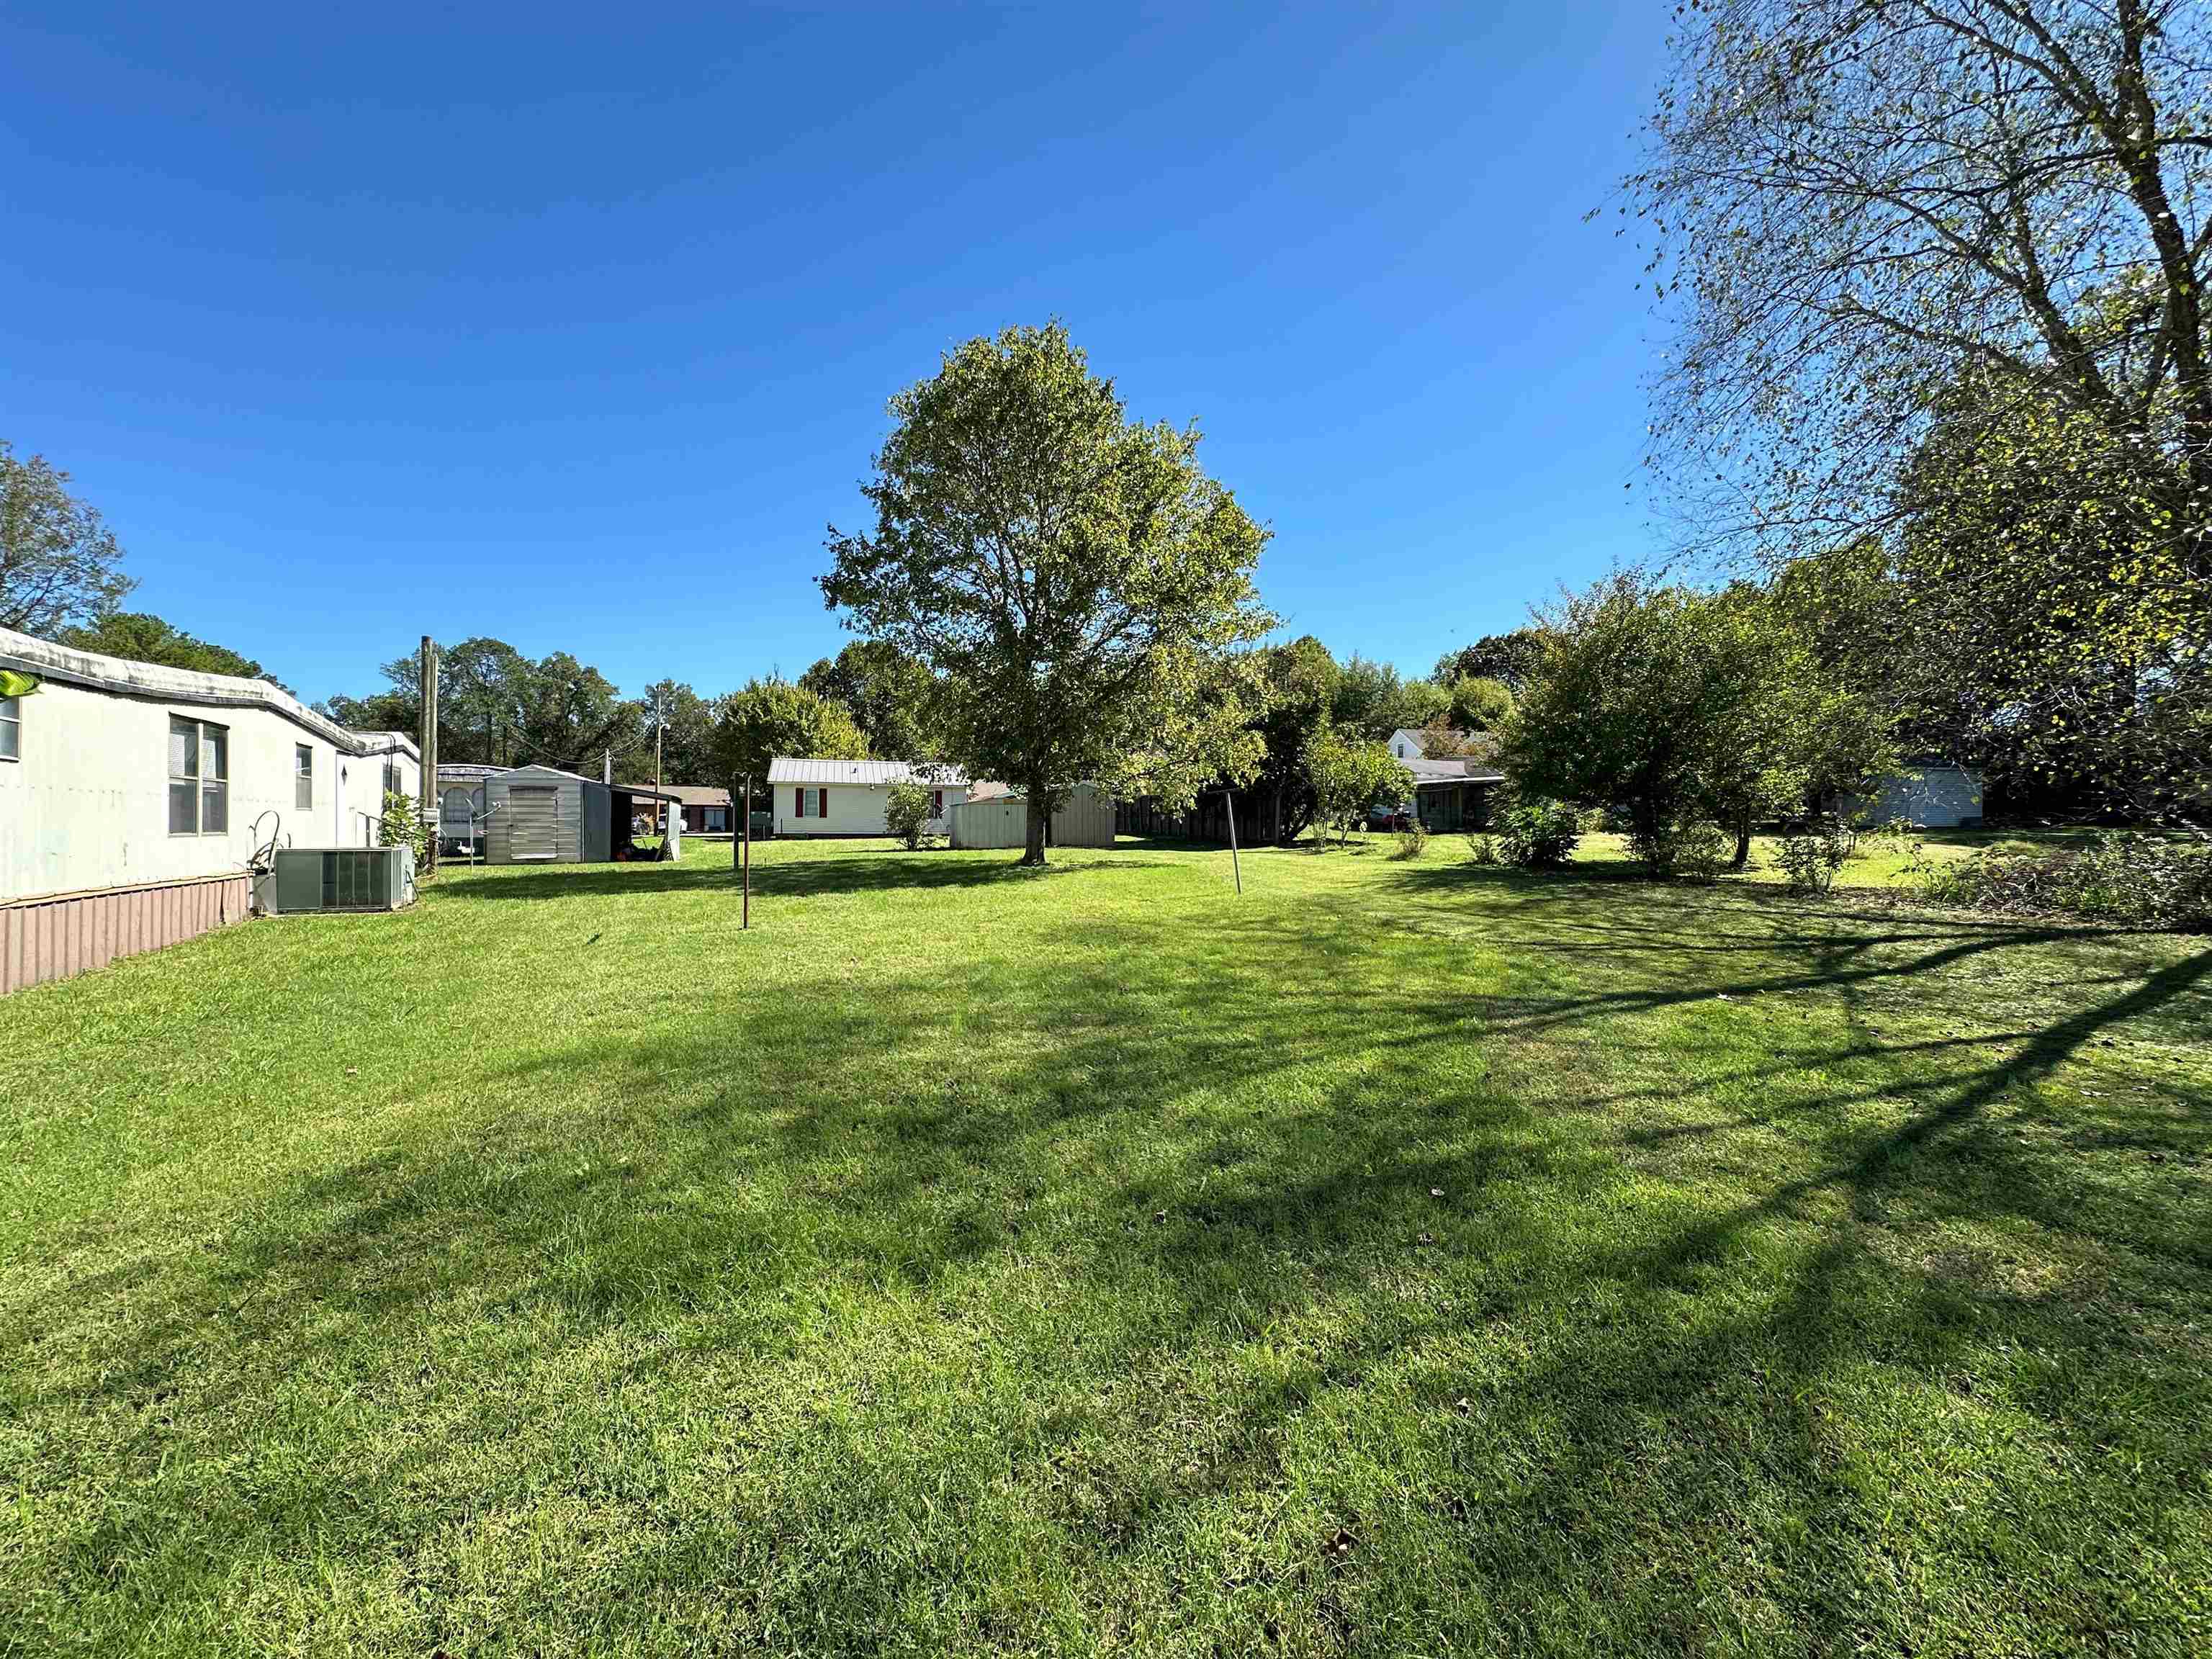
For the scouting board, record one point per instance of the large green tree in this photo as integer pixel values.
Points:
(685, 724)
(1298, 690)
(136, 636)
(1076, 581)
(1374, 700)
(893, 697)
(772, 717)
(59, 564)
(1851, 204)
(1679, 708)
(1935, 275)
(1512, 659)
(497, 706)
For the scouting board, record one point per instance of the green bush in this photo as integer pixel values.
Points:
(906, 813)
(1483, 850)
(403, 825)
(1537, 833)
(1811, 858)
(1413, 841)
(1692, 849)
(2149, 880)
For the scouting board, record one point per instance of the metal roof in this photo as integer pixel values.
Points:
(691, 794)
(1458, 770)
(160, 682)
(788, 769)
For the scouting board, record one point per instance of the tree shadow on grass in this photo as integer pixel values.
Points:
(884, 872)
(1213, 1229)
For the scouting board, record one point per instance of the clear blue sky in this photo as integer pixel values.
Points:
(576, 329)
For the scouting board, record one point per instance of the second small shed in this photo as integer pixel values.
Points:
(1085, 818)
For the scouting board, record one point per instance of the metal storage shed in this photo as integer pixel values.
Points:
(1085, 818)
(542, 815)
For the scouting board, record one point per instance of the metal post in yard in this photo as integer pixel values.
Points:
(745, 918)
(1229, 802)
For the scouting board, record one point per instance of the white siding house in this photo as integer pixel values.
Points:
(1926, 797)
(812, 797)
(124, 784)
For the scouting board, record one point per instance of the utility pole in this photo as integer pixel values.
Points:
(429, 791)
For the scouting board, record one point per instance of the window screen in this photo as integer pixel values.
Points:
(303, 776)
(11, 728)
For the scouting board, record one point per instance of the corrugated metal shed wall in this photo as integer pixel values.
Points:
(1085, 819)
(998, 822)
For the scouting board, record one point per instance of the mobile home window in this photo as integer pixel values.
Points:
(11, 728)
(303, 776)
(200, 778)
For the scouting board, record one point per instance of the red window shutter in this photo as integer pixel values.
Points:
(937, 803)
(822, 803)
(799, 803)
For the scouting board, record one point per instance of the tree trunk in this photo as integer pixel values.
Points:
(1039, 815)
(1742, 847)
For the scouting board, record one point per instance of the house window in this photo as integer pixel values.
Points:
(937, 803)
(200, 778)
(717, 819)
(391, 779)
(303, 776)
(11, 728)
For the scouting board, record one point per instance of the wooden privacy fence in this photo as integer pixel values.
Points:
(65, 933)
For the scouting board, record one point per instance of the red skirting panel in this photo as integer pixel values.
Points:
(66, 933)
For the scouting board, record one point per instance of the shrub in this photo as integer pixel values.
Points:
(1691, 849)
(1483, 849)
(1811, 858)
(1537, 833)
(1413, 841)
(2140, 878)
(403, 825)
(906, 813)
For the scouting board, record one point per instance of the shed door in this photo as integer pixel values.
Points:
(534, 827)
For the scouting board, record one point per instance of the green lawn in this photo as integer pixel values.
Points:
(1398, 1259)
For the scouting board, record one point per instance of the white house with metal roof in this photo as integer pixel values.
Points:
(814, 797)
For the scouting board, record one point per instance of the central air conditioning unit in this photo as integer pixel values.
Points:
(335, 878)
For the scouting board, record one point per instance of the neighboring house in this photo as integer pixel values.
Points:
(1405, 744)
(707, 809)
(1935, 796)
(133, 797)
(993, 815)
(543, 815)
(1448, 794)
(811, 796)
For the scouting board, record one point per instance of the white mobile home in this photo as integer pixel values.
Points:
(813, 797)
(133, 797)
